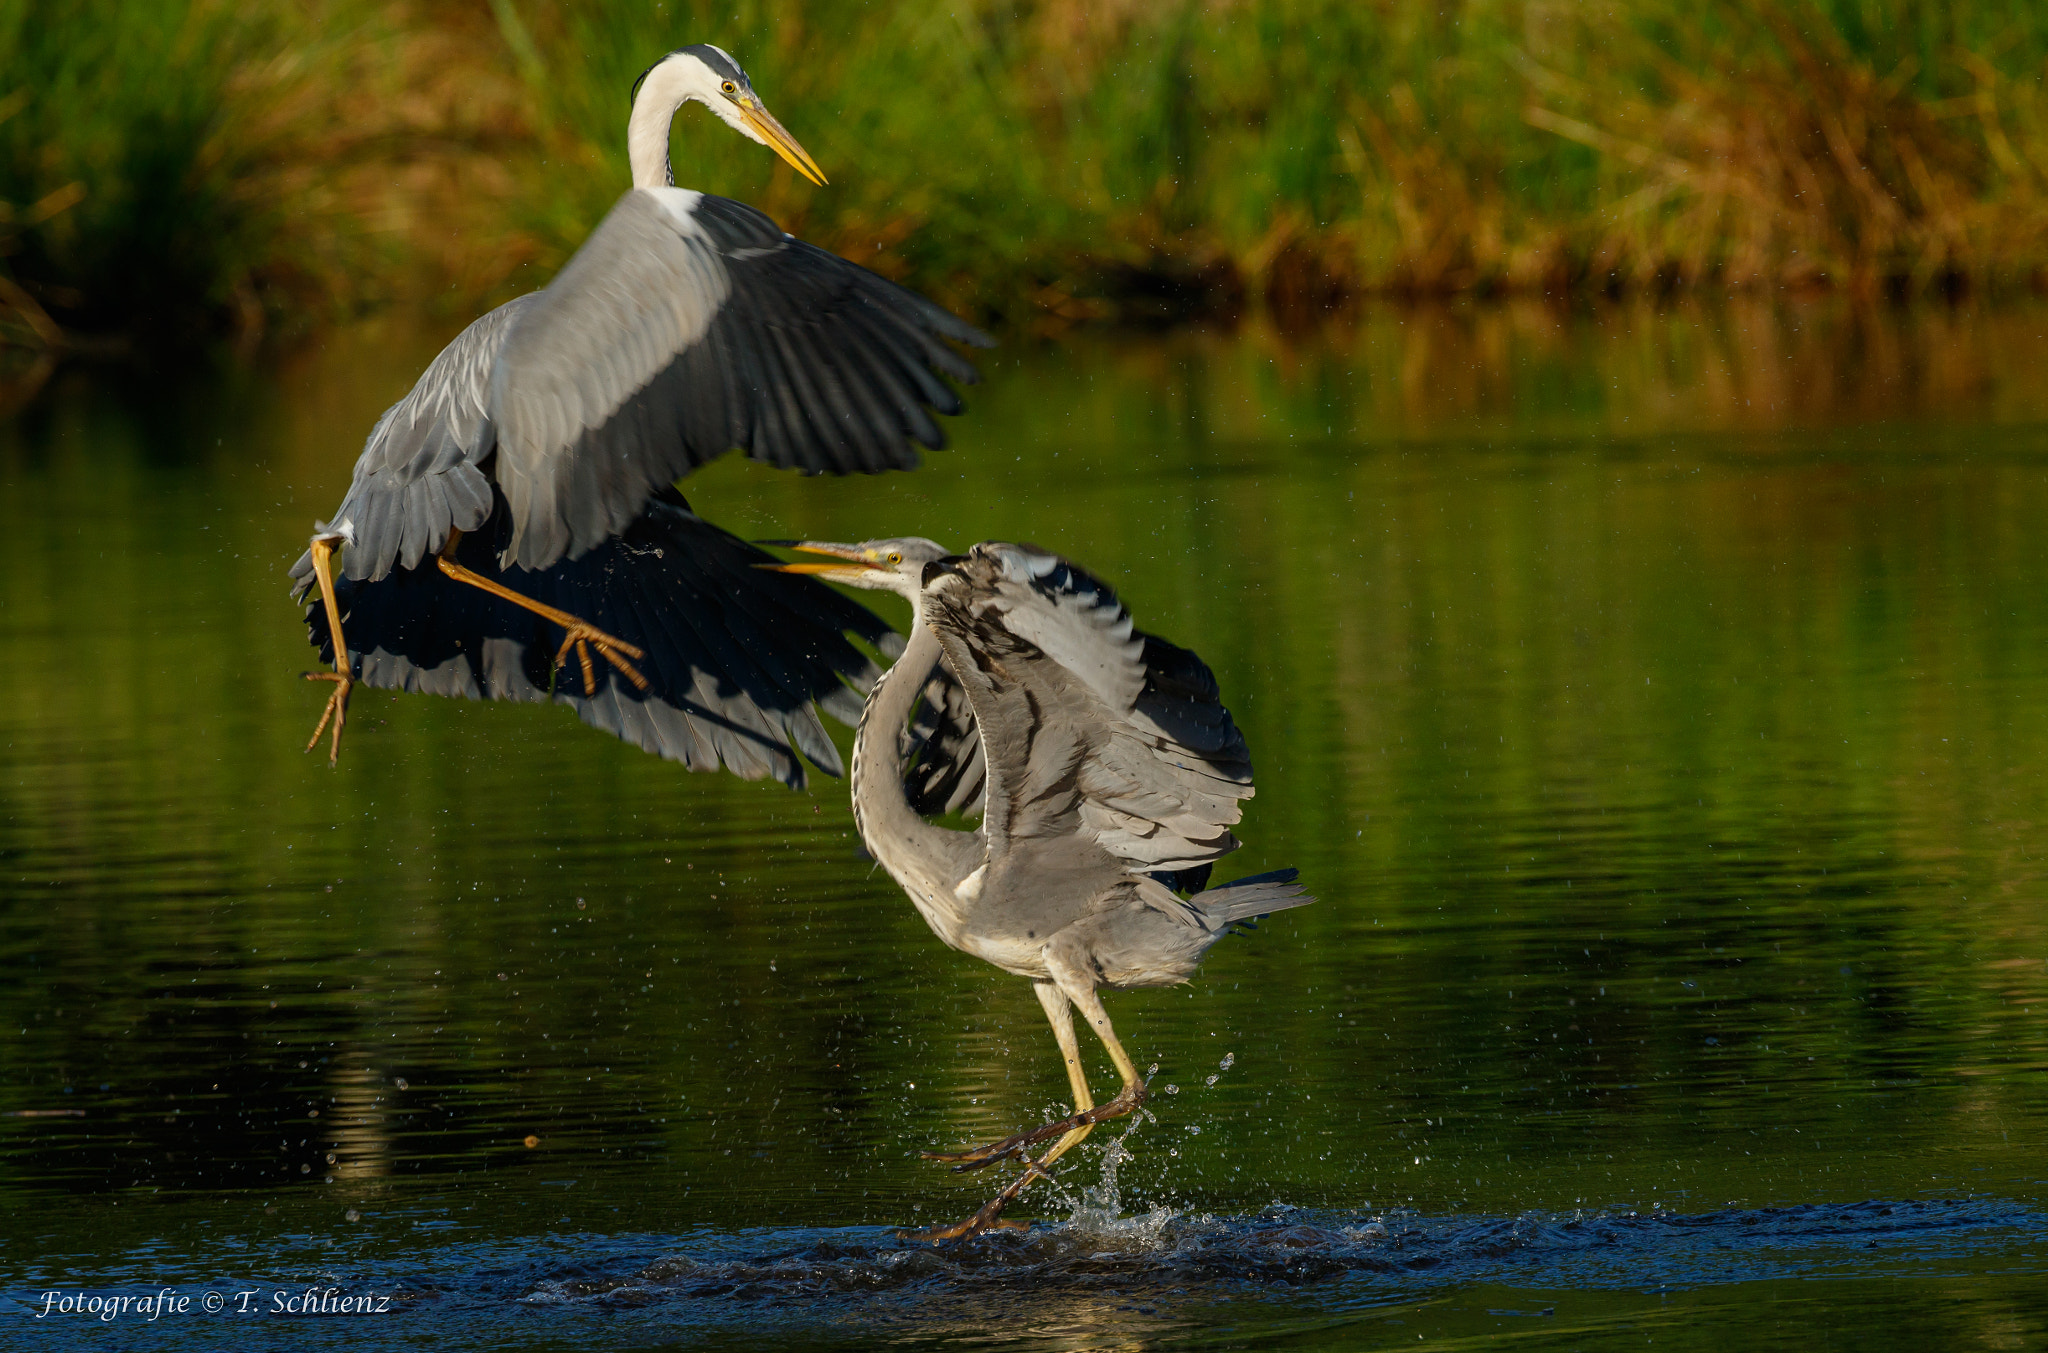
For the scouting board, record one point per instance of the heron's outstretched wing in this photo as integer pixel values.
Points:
(736, 655)
(1089, 728)
(419, 472)
(685, 326)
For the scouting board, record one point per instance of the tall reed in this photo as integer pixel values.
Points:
(215, 159)
(1044, 160)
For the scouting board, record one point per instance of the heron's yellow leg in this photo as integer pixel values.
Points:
(1059, 1011)
(1130, 1096)
(342, 676)
(989, 1218)
(1055, 996)
(581, 634)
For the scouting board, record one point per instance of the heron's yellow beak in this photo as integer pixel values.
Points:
(768, 129)
(859, 562)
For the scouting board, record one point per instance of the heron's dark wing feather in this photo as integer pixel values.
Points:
(944, 769)
(1089, 728)
(688, 325)
(418, 475)
(736, 656)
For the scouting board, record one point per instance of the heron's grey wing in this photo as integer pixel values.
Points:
(418, 475)
(688, 325)
(736, 656)
(1090, 729)
(945, 767)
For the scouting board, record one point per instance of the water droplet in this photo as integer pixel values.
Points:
(1211, 1078)
(1172, 1089)
(354, 1215)
(400, 1083)
(1229, 1060)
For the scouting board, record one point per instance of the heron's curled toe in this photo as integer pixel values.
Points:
(1127, 1101)
(988, 1218)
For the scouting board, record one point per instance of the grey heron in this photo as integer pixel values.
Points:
(1109, 774)
(526, 482)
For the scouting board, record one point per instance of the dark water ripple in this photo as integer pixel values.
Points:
(1288, 1246)
(1095, 1280)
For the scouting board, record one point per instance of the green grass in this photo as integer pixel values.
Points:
(1039, 162)
(153, 114)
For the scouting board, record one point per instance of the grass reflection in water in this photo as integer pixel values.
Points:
(1658, 702)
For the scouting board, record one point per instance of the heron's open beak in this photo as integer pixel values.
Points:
(768, 129)
(858, 564)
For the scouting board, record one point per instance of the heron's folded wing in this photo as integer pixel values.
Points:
(942, 752)
(418, 475)
(1089, 727)
(736, 656)
(688, 325)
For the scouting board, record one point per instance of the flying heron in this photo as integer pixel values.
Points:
(525, 486)
(1109, 775)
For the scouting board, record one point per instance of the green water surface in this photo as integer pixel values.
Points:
(1656, 703)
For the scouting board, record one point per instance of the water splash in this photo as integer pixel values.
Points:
(1097, 1215)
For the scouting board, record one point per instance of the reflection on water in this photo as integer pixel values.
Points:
(1658, 701)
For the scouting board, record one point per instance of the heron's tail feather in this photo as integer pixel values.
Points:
(1247, 898)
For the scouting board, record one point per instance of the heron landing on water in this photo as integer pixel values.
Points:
(524, 488)
(1108, 774)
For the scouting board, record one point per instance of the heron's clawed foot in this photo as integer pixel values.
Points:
(1126, 1102)
(337, 710)
(581, 636)
(989, 1218)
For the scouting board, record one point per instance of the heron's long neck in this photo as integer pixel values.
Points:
(917, 854)
(647, 129)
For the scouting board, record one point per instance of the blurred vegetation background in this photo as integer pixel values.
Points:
(172, 166)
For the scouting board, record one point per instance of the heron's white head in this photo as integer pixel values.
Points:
(707, 75)
(895, 565)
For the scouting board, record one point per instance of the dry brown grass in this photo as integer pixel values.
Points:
(1053, 162)
(1773, 155)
